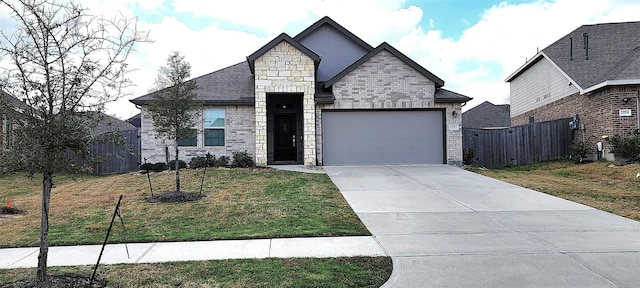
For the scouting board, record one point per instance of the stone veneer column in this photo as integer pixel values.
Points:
(284, 69)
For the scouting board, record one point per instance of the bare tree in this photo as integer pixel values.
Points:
(64, 62)
(174, 106)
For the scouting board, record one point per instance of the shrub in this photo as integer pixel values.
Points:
(242, 159)
(146, 167)
(468, 156)
(579, 151)
(159, 167)
(220, 162)
(626, 146)
(199, 162)
(172, 164)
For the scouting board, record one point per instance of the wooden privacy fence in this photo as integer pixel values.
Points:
(531, 143)
(117, 155)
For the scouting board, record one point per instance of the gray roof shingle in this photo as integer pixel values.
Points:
(233, 85)
(612, 52)
(487, 115)
(447, 96)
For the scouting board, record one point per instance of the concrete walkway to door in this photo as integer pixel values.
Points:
(447, 227)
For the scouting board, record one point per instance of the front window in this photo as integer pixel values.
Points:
(213, 127)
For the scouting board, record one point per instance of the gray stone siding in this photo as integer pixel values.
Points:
(239, 136)
(598, 112)
(385, 82)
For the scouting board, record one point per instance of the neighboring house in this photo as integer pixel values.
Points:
(323, 97)
(6, 135)
(135, 120)
(592, 72)
(487, 116)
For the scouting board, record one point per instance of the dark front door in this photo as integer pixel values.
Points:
(285, 138)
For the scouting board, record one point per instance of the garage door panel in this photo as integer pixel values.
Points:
(382, 137)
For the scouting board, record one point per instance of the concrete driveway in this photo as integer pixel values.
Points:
(447, 227)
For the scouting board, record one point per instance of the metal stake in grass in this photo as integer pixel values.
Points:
(149, 178)
(204, 172)
(113, 218)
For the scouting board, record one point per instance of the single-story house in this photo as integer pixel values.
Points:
(487, 116)
(323, 97)
(591, 74)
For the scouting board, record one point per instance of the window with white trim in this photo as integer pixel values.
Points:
(213, 127)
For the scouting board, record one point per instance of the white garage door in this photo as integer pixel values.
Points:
(382, 137)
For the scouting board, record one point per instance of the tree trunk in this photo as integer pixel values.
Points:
(177, 169)
(47, 184)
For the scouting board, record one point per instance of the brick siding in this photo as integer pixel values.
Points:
(598, 113)
(239, 136)
(385, 82)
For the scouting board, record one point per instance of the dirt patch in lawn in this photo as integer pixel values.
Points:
(60, 281)
(173, 196)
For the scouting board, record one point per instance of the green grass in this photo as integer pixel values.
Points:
(326, 272)
(239, 204)
(600, 185)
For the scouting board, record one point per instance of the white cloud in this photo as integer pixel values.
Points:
(507, 35)
(475, 64)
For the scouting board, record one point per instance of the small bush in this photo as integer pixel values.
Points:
(198, 162)
(468, 156)
(579, 151)
(242, 159)
(159, 167)
(181, 163)
(146, 167)
(220, 162)
(626, 146)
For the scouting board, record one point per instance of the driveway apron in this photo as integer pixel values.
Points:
(447, 227)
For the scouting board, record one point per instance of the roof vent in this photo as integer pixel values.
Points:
(585, 39)
(570, 48)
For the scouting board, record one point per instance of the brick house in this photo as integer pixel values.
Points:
(323, 97)
(592, 72)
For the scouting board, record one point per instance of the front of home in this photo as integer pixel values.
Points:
(591, 75)
(323, 97)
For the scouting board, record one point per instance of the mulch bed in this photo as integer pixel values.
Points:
(173, 196)
(60, 281)
(11, 212)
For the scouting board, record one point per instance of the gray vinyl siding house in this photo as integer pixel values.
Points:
(323, 97)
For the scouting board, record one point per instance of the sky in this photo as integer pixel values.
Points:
(473, 45)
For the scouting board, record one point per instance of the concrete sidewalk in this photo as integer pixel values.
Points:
(319, 247)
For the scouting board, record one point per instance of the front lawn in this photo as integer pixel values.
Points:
(239, 204)
(614, 189)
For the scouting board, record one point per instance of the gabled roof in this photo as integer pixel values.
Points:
(447, 96)
(487, 115)
(107, 123)
(385, 46)
(612, 57)
(233, 85)
(328, 21)
(273, 43)
(14, 101)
